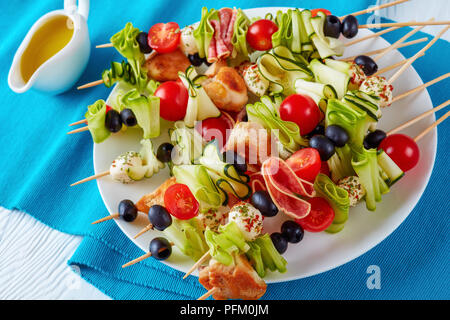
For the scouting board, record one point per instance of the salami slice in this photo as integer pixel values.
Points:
(220, 46)
(286, 189)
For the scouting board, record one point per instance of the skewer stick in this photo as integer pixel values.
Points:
(105, 45)
(90, 84)
(404, 24)
(395, 65)
(143, 257)
(95, 176)
(418, 118)
(386, 5)
(398, 42)
(78, 122)
(197, 264)
(434, 125)
(208, 294)
(414, 57)
(112, 216)
(371, 53)
(78, 130)
(370, 36)
(147, 228)
(423, 86)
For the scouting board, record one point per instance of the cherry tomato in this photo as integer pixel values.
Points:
(305, 163)
(402, 150)
(302, 110)
(108, 108)
(164, 37)
(319, 218)
(173, 101)
(325, 169)
(215, 128)
(314, 12)
(259, 34)
(180, 202)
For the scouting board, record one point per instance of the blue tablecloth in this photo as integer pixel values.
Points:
(39, 161)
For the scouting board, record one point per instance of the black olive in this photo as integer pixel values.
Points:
(324, 145)
(128, 117)
(332, 26)
(262, 201)
(337, 135)
(160, 248)
(292, 231)
(159, 217)
(142, 40)
(374, 139)
(113, 122)
(195, 59)
(349, 27)
(236, 160)
(366, 64)
(164, 153)
(279, 242)
(127, 210)
(320, 129)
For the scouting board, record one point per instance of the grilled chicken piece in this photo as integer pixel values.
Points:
(165, 66)
(215, 67)
(238, 281)
(156, 197)
(252, 142)
(227, 90)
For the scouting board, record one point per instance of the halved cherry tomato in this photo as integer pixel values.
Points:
(319, 218)
(314, 12)
(305, 163)
(215, 128)
(164, 37)
(302, 110)
(402, 149)
(180, 202)
(259, 34)
(173, 99)
(324, 168)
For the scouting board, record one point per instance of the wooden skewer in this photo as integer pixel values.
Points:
(423, 86)
(78, 122)
(404, 24)
(418, 118)
(398, 42)
(143, 257)
(208, 294)
(371, 53)
(434, 125)
(90, 84)
(197, 264)
(95, 176)
(395, 65)
(111, 216)
(370, 36)
(414, 57)
(105, 45)
(78, 130)
(147, 228)
(386, 5)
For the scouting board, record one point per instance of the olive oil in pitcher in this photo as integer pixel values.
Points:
(48, 40)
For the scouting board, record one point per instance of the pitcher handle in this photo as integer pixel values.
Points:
(83, 7)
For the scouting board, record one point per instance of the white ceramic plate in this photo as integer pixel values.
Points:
(317, 252)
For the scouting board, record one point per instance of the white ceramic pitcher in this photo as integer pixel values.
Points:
(61, 71)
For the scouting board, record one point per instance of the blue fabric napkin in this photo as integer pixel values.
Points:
(39, 161)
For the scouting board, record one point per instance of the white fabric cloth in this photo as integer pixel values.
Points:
(33, 261)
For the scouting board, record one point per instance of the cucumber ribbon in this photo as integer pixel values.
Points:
(239, 40)
(205, 31)
(337, 198)
(126, 44)
(95, 117)
(224, 175)
(266, 113)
